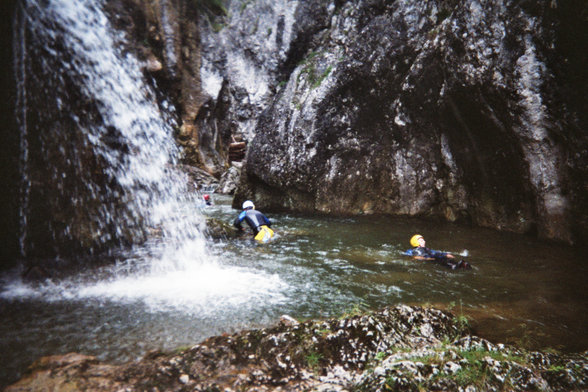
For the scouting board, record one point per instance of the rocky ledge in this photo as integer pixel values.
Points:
(401, 348)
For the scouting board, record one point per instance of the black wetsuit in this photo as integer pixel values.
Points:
(437, 256)
(254, 219)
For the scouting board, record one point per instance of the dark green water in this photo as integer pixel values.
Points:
(520, 290)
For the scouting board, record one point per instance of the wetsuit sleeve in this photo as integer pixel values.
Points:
(437, 254)
(267, 221)
(409, 252)
(238, 220)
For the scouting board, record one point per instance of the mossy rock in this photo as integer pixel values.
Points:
(217, 229)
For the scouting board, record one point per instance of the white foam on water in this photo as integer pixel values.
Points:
(206, 289)
(203, 289)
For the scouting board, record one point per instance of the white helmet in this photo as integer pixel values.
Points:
(248, 204)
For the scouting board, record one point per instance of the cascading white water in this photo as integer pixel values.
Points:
(173, 267)
(115, 82)
(21, 103)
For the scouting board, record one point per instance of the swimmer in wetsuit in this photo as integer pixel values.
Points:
(421, 252)
(259, 223)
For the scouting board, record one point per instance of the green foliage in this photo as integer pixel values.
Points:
(446, 341)
(380, 356)
(474, 371)
(308, 58)
(399, 349)
(314, 76)
(479, 354)
(461, 321)
(317, 82)
(213, 10)
(552, 350)
(429, 359)
(525, 340)
(181, 349)
(216, 27)
(211, 7)
(357, 309)
(556, 368)
(313, 360)
(472, 375)
(390, 383)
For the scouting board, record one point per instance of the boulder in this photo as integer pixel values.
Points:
(469, 113)
(230, 179)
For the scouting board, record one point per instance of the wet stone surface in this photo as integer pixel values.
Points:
(400, 348)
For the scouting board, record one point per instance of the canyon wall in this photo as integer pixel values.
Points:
(472, 113)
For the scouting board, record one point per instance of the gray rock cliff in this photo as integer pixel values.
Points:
(472, 112)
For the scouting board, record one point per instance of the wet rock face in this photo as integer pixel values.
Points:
(165, 35)
(400, 348)
(9, 151)
(422, 109)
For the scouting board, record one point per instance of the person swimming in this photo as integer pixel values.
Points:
(419, 251)
(259, 223)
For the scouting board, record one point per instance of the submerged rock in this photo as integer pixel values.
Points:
(217, 229)
(399, 348)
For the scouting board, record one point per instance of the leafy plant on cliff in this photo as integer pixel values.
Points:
(322, 77)
(212, 7)
(315, 77)
(475, 371)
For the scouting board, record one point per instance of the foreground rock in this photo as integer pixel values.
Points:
(400, 348)
(217, 229)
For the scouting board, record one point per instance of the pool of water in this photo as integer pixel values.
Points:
(520, 290)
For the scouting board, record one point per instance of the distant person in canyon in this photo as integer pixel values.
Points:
(421, 252)
(259, 223)
(207, 200)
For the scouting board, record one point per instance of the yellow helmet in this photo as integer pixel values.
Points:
(414, 240)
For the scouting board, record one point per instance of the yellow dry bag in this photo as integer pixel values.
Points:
(264, 235)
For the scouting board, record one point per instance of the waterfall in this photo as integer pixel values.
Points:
(125, 133)
(99, 172)
(21, 104)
